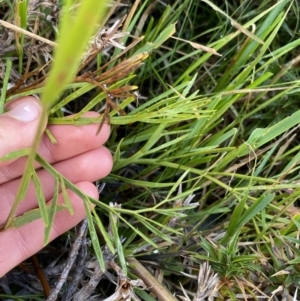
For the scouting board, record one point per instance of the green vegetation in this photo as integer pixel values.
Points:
(206, 155)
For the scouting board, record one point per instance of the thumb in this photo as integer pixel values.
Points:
(19, 124)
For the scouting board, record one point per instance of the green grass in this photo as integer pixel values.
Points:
(223, 129)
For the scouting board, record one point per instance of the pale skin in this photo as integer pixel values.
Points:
(79, 155)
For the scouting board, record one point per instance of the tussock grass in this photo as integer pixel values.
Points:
(206, 158)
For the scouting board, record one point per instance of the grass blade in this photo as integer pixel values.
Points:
(5, 83)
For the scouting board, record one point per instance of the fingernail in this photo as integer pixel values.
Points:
(26, 111)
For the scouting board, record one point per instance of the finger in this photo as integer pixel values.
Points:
(71, 141)
(90, 166)
(18, 244)
(18, 125)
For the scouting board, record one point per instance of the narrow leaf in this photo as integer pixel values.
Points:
(66, 195)
(40, 197)
(8, 66)
(15, 155)
(106, 236)
(52, 212)
(118, 243)
(255, 208)
(93, 234)
(31, 216)
(234, 219)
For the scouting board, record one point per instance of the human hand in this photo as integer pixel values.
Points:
(79, 155)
